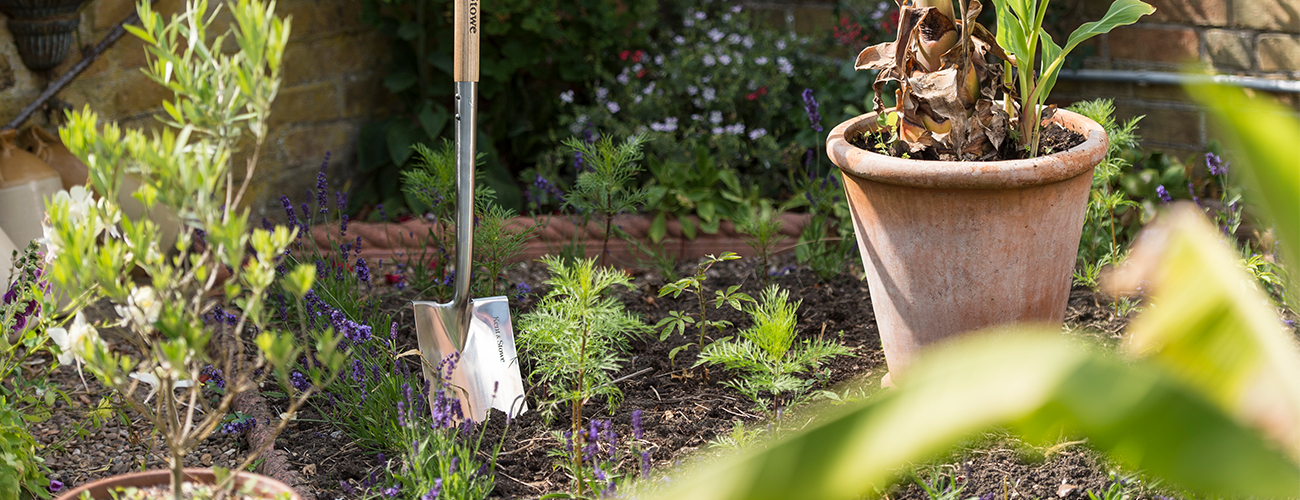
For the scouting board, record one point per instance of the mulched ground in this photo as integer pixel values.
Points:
(683, 410)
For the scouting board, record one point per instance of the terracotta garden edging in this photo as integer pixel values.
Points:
(406, 239)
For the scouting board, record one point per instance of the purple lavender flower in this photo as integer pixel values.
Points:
(382, 214)
(55, 486)
(288, 210)
(1216, 164)
(321, 184)
(522, 289)
(577, 161)
(401, 413)
(305, 222)
(391, 491)
(347, 488)
(213, 376)
(299, 381)
(645, 464)
(1163, 194)
(434, 491)
(810, 106)
(637, 430)
(1192, 190)
(343, 225)
(358, 373)
(363, 271)
(451, 469)
(392, 332)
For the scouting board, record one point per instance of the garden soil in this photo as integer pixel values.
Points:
(684, 408)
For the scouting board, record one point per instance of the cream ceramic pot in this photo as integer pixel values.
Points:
(25, 183)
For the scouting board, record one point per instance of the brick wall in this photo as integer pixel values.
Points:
(1253, 38)
(332, 85)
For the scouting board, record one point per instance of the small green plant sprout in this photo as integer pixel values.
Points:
(680, 321)
(766, 355)
(1117, 488)
(221, 99)
(496, 243)
(1101, 238)
(941, 486)
(605, 187)
(762, 227)
(577, 336)
(739, 438)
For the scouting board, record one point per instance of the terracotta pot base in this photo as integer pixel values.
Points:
(101, 489)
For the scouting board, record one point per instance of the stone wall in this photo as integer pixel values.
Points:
(332, 85)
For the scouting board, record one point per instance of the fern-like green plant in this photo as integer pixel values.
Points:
(765, 354)
(607, 189)
(577, 335)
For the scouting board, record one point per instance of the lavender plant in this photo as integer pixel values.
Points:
(766, 356)
(1104, 241)
(679, 321)
(577, 336)
(600, 471)
(25, 392)
(220, 99)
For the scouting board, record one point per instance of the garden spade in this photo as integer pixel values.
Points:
(486, 375)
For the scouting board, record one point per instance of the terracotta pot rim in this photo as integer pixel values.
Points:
(1004, 174)
(163, 476)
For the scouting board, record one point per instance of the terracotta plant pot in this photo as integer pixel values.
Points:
(100, 490)
(951, 247)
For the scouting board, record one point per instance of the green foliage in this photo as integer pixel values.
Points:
(220, 99)
(941, 487)
(606, 186)
(679, 321)
(763, 355)
(827, 243)
(718, 93)
(1102, 240)
(761, 226)
(1020, 30)
(21, 470)
(577, 335)
(432, 181)
(528, 49)
(1207, 366)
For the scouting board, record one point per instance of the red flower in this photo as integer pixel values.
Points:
(752, 96)
(394, 279)
(640, 73)
(636, 57)
(762, 90)
(623, 55)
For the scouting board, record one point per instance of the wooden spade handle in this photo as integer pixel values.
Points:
(465, 60)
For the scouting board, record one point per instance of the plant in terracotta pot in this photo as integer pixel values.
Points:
(221, 100)
(964, 216)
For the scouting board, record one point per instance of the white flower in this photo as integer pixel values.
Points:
(709, 60)
(701, 15)
(613, 107)
(726, 18)
(715, 117)
(623, 78)
(636, 99)
(733, 38)
(708, 94)
(735, 9)
(783, 65)
(748, 42)
(760, 60)
(692, 90)
(71, 342)
(142, 308)
(649, 89)
(724, 59)
(736, 129)
(756, 133)
(153, 382)
(715, 34)
(677, 40)
(659, 60)
(696, 117)
(566, 96)
(718, 130)
(688, 22)
(669, 125)
(602, 93)
(780, 45)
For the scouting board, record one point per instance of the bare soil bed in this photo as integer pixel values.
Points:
(683, 409)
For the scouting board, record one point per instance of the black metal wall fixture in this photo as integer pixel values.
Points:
(43, 29)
